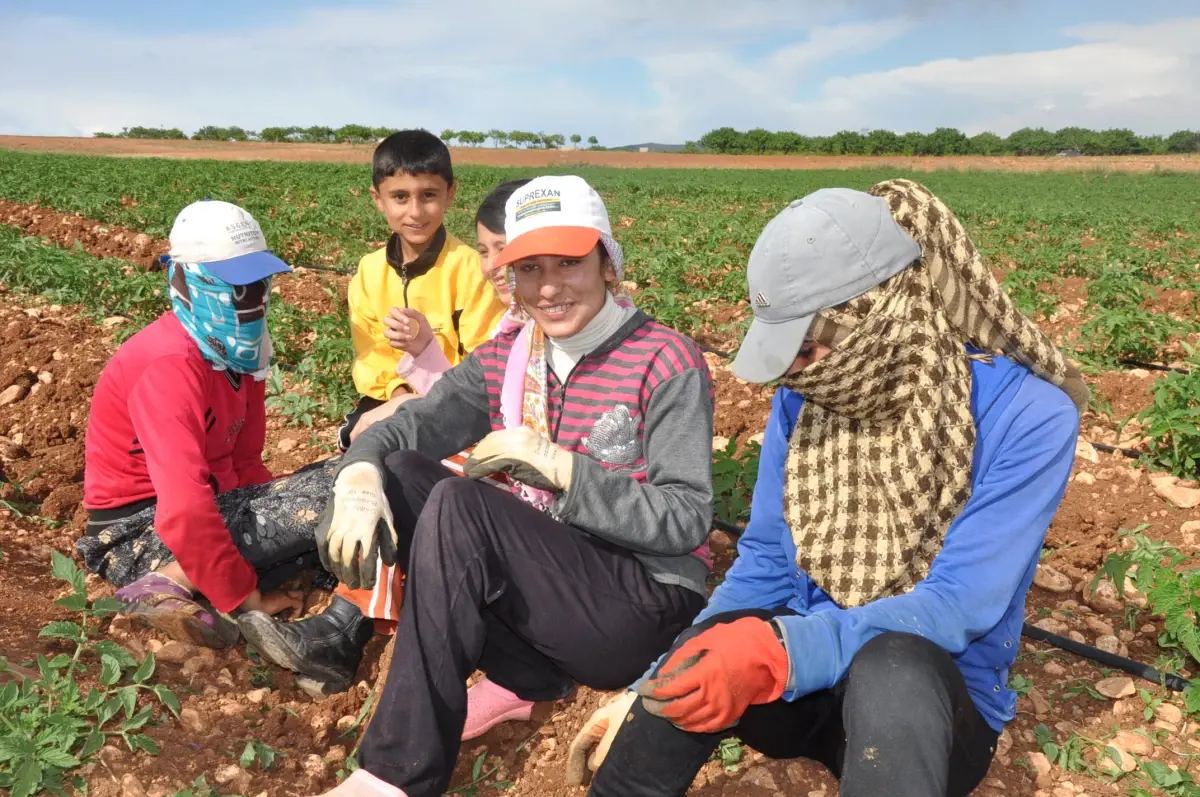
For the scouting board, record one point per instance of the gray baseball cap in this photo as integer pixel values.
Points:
(820, 251)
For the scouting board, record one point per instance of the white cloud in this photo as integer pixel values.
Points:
(1142, 77)
(475, 64)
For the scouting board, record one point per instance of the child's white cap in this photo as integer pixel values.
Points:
(226, 239)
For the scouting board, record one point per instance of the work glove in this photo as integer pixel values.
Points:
(708, 682)
(356, 530)
(524, 455)
(598, 732)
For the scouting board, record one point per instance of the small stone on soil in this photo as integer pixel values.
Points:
(131, 786)
(1051, 580)
(1116, 688)
(314, 766)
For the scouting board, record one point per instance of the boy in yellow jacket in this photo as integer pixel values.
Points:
(425, 288)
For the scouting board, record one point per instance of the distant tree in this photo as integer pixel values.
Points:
(987, 143)
(593, 141)
(723, 140)
(380, 133)
(152, 132)
(947, 141)
(522, 138)
(1032, 141)
(448, 135)
(1184, 141)
(318, 134)
(881, 142)
(575, 139)
(551, 140)
(499, 137)
(848, 142)
(353, 134)
(691, 147)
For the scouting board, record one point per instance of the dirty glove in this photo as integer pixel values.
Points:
(355, 530)
(598, 732)
(708, 682)
(524, 455)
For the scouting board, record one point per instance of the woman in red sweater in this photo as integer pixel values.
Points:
(176, 423)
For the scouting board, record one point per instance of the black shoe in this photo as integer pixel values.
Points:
(324, 650)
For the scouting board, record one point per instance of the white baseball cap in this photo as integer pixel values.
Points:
(226, 240)
(554, 215)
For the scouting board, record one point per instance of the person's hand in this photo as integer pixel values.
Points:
(407, 329)
(356, 530)
(524, 455)
(273, 602)
(380, 413)
(708, 682)
(598, 732)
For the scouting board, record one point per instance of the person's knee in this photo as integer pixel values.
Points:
(693, 631)
(892, 672)
(452, 512)
(405, 463)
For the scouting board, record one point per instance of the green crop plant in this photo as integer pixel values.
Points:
(1172, 421)
(51, 724)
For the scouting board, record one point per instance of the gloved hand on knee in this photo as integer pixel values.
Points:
(356, 530)
(709, 681)
(598, 732)
(524, 455)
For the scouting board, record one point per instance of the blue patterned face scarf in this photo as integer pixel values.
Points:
(228, 322)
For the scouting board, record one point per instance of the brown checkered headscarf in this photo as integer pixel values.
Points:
(880, 461)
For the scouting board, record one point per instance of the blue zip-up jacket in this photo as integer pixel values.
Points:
(972, 602)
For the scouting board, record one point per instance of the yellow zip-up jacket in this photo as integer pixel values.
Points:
(445, 283)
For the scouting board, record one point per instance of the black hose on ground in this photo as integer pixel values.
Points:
(1101, 657)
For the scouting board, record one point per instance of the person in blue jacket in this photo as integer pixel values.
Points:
(916, 452)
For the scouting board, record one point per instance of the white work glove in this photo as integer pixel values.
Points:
(524, 455)
(355, 530)
(599, 732)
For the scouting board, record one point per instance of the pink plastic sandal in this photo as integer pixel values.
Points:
(363, 784)
(489, 704)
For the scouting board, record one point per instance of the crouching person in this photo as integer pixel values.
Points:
(594, 557)
(908, 475)
(174, 482)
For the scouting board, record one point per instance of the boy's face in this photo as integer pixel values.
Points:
(414, 204)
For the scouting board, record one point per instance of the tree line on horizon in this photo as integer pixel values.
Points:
(351, 134)
(946, 141)
(758, 141)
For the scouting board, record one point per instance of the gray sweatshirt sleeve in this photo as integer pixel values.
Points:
(669, 515)
(454, 414)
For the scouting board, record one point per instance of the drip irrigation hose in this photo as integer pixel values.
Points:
(1154, 366)
(1145, 671)
(330, 269)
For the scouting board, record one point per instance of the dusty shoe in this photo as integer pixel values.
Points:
(324, 650)
(363, 784)
(489, 704)
(162, 603)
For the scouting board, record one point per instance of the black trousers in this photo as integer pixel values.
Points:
(496, 585)
(900, 723)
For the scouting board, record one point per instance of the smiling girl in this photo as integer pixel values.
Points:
(591, 562)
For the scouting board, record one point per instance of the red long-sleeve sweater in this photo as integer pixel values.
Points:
(164, 423)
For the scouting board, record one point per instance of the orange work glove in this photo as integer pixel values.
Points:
(709, 682)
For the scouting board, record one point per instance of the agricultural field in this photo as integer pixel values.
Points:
(1107, 262)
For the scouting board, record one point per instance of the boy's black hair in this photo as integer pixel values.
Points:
(491, 209)
(412, 152)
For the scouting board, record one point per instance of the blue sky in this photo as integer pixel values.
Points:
(624, 70)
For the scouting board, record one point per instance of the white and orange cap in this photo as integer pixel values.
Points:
(556, 215)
